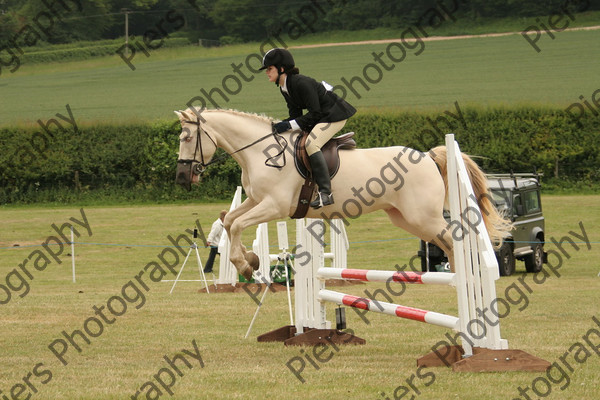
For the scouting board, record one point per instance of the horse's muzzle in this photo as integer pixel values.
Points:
(186, 174)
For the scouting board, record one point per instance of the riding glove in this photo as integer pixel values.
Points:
(282, 126)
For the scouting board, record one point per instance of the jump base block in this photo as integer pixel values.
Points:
(483, 360)
(310, 337)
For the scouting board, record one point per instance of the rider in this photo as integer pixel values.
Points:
(326, 113)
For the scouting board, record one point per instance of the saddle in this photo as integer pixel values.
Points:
(331, 153)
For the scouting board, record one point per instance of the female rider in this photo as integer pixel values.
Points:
(326, 113)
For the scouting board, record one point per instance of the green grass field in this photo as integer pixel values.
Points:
(503, 71)
(130, 350)
(482, 71)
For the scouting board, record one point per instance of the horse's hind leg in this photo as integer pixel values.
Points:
(443, 240)
(433, 229)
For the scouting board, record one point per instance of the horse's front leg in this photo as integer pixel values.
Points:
(236, 212)
(231, 216)
(263, 212)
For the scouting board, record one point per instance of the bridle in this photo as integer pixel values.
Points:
(201, 165)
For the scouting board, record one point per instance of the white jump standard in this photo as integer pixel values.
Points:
(476, 271)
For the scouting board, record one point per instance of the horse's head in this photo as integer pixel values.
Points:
(196, 148)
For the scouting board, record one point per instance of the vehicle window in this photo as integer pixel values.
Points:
(516, 202)
(500, 198)
(531, 201)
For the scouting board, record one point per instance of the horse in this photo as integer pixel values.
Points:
(409, 185)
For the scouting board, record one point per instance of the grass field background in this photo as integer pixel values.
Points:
(503, 71)
(130, 351)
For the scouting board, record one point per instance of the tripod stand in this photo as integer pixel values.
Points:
(193, 246)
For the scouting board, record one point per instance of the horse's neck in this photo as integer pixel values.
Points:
(234, 132)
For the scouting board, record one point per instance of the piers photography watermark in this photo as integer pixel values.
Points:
(132, 296)
(166, 377)
(411, 40)
(39, 142)
(18, 281)
(556, 23)
(561, 370)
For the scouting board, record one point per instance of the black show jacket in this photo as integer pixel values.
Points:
(304, 93)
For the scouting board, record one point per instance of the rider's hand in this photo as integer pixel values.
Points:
(282, 126)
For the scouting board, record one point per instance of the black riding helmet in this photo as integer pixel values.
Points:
(280, 58)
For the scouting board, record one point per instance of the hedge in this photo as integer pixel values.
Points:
(138, 162)
(36, 55)
(505, 139)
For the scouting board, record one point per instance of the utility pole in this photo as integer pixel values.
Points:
(126, 11)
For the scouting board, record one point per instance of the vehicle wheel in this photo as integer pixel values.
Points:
(535, 261)
(422, 256)
(423, 264)
(506, 260)
(433, 261)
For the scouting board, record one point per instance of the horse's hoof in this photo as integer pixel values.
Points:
(253, 260)
(247, 273)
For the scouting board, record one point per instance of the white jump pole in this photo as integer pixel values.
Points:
(260, 247)
(339, 244)
(397, 310)
(282, 238)
(262, 299)
(368, 275)
(73, 253)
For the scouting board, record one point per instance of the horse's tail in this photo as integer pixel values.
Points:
(496, 225)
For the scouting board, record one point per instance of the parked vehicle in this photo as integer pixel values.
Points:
(517, 196)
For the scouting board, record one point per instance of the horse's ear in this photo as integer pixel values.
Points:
(180, 115)
(187, 116)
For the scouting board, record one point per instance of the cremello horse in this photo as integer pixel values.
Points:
(403, 182)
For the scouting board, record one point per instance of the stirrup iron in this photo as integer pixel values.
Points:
(323, 199)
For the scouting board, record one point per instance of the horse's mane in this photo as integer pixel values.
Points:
(259, 117)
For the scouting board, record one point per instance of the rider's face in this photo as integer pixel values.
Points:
(271, 73)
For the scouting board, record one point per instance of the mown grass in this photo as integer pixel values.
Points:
(482, 71)
(130, 351)
(461, 26)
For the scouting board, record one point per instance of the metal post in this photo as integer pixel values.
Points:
(126, 12)
(72, 254)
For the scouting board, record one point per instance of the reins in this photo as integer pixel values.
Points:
(281, 141)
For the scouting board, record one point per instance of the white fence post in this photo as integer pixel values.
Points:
(260, 246)
(227, 272)
(475, 264)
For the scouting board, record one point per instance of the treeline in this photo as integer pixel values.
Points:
(138, 162)
(29, 22)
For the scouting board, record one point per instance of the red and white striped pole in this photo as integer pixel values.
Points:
(432, 278)
(416, 314)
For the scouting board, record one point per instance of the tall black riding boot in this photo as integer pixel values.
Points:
(321, 174)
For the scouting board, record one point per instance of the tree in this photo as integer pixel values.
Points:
(244, 19)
